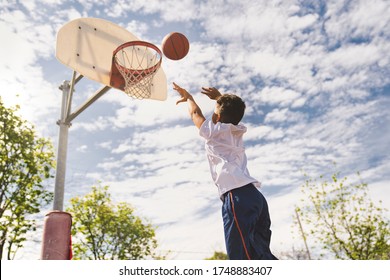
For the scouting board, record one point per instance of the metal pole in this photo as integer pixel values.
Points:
(59, 187)
(56, 243)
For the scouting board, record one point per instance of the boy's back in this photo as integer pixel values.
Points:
(226, 155)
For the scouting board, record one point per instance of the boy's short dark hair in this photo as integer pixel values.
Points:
(232, 108)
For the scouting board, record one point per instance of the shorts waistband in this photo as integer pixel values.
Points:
(245, 186)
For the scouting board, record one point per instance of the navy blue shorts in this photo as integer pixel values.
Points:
(247, 224)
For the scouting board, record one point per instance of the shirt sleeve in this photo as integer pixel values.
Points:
(206, 128)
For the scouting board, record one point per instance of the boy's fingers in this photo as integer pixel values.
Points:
(207, 91)
(181, 100)
(175, 86)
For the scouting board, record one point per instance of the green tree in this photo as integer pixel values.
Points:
(218, 256)
(342, 218)
(25, 162)
(104, 231)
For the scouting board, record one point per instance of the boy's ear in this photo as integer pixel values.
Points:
(216, 118)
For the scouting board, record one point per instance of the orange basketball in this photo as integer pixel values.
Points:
(175, 46)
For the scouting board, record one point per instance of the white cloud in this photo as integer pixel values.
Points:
(82, 148)
(23, 81)
(283, 116)
(316, 76)
(106, 145)
(278, 96)
(166, 138)
(298, 23)
(349, 58)
(139, 29)
(356, 19)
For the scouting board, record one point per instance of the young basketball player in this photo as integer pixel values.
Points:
(245, 211)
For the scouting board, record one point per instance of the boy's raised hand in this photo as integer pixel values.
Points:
(211, 92)
(183, 93)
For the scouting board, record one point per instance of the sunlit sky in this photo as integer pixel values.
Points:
(315, 77)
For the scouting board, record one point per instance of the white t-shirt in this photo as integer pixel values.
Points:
(226, 155)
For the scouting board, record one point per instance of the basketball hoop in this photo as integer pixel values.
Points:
(134, 65)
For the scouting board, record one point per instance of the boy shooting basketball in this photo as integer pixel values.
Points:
(245, 210)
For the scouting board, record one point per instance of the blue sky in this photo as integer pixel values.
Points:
(315, 76)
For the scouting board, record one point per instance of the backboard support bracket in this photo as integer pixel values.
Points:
(99, 93)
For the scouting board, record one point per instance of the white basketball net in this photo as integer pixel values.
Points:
(138, 64)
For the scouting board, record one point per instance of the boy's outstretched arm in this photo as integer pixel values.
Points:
(193, 108)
